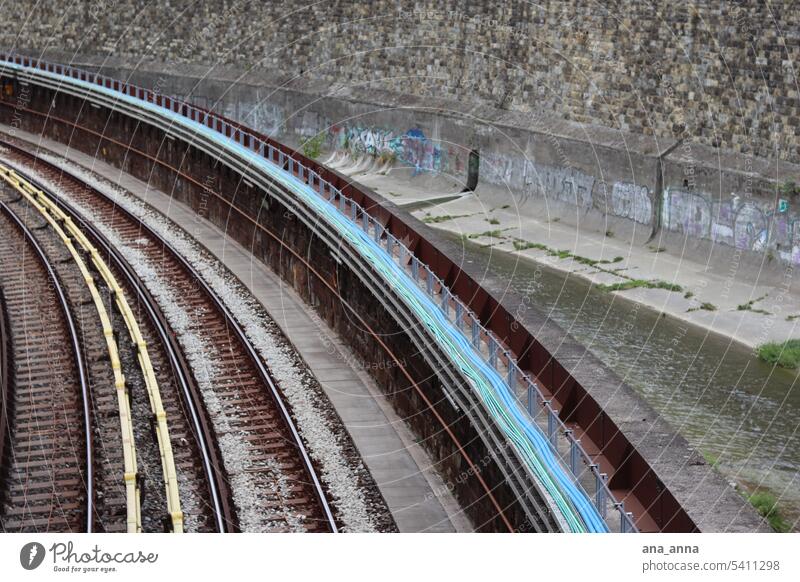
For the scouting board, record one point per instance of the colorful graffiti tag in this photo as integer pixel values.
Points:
(753, 225)
(412, 147)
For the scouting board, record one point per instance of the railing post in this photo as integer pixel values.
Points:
(620, 508)
(415, 268)
(531, 399)
(492, 352)
(600, 492)
(512, 373)
(476, 333)
(551, 427)
(573, 452)
(629, 525)
(430, 282)
(459, 315)
(365, 221)
(623, 522)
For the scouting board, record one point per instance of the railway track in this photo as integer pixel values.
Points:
(48, 474)
(232, 406)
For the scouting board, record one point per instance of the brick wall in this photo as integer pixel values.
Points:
(717, 73)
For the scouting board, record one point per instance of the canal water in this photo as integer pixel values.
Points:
(734, 408)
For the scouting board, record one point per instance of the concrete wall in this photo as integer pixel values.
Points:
(647, 460)
(592, 177)
(723, 73)
(567, 99)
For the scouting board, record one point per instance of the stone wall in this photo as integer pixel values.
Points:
(717, 73)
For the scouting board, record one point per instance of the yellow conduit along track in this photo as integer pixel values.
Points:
(56, 218)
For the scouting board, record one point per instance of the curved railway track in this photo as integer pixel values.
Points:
(284, 491)
(48, 476)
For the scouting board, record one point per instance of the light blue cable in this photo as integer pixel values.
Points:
(576, 508)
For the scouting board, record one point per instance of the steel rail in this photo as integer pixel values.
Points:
(238, 331)
(223, 515)
(362, 323)
(5, 385)
(132, 490)
(522, 489)
(539, 451)
(46, 200)
(133, 493)
(80, 362)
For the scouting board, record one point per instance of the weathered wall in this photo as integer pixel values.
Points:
(734, 200)
(719, 72)
(647, 456)
(304, 261)
(427, 82)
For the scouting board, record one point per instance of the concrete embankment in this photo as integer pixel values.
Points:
(717, 228)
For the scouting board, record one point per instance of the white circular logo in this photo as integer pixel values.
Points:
(31, 555)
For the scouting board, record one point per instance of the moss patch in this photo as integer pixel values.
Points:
(711, 459)
(444, 218)
(636, 283)
(703, 306)
(749, 306)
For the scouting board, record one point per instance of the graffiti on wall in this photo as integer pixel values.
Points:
(267, 119)
(411, 147)
(527, 179)
(746, 224)
(631, 201)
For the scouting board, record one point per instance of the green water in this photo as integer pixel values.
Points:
(727, 403)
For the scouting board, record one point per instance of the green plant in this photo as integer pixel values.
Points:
(710, 458)
(749, 306)
(784, 354)
(492, 221)
(704, 307)
(636, 283)
(488, 234)
(766, 504)
(387, 156)
(688, 295)
(789, 188)
(610, 233)
(523, 245)
(312, 146)
(428, 219)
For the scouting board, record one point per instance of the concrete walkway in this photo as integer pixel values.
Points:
(733, 300)
(414, 492)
